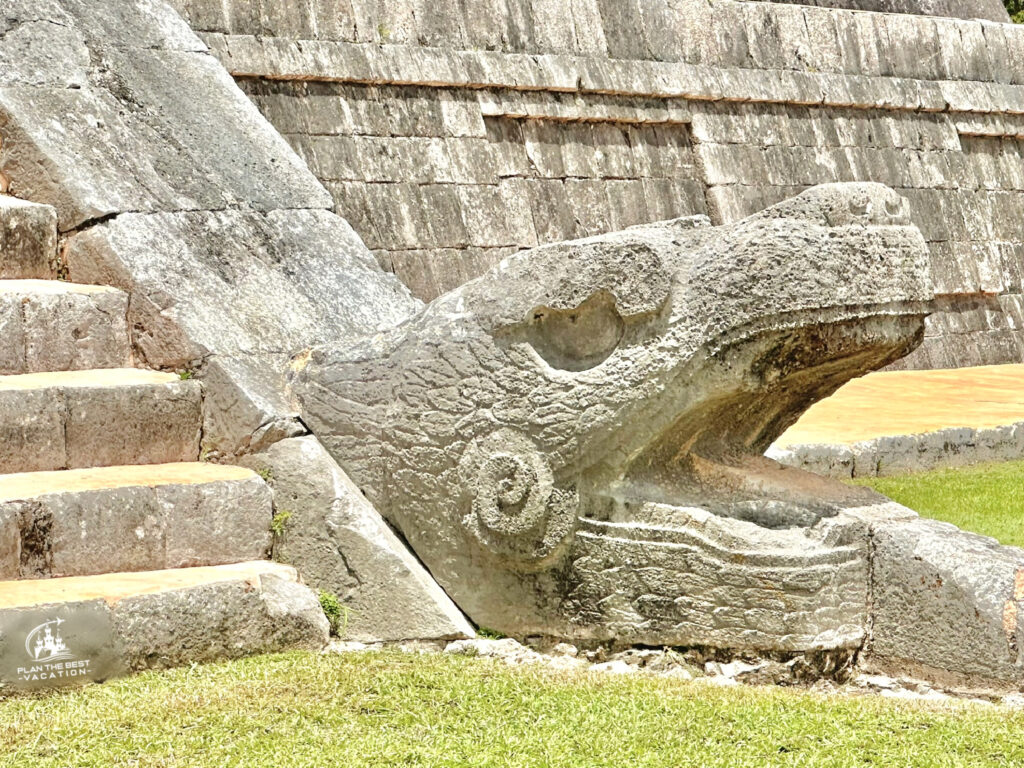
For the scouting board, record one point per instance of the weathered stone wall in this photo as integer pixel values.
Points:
(442, 184)
(992, 10)
(451, 134)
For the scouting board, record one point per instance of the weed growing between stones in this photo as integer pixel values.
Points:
(337, 615)
(490, 634)
(280, 522)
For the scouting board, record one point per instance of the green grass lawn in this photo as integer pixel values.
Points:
(393, 709)
(988, 498)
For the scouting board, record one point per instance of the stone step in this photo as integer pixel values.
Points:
(46, 325)
(28, 239)
(97, 418)
(62, 631)
(80, 522)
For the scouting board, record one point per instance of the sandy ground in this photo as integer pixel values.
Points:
(913, 402)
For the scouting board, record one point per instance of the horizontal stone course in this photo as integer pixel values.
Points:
(82, 522)
(904, 454)
(118, 623)
(723, 34)
(282, 59)
(54, 326)
(97, 418)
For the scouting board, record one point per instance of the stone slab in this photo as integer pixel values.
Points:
(72, 630)
(28, 239)
(47, 325)
(947, 604)
(81, 522)
(99, 418)
(340, 544)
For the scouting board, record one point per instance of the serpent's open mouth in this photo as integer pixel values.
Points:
(709, 457)
(703, 539)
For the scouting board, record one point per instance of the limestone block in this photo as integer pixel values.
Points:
(340, 544)
(461, 116)
(485, 216)
(225, 519)
(947, 601)
(516, 201)
(424, 271)
(543, 141)
(589, 204)
(41, 50)
(441, 224)
(32, 431)
(627, 204)
(221, 620)
(204, 15)
(28, 239)
(81, 522)
(552, 220)
(101, 418)
(399, 213)
(478, 161)
(133, 424)
(481, 30)
(119, 623)
(52, 326)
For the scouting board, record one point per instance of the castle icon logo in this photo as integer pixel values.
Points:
(45, 644)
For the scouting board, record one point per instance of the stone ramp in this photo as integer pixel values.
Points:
(96, 627)
(892, 422)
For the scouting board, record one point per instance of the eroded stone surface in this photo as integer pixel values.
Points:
(221, 292)
(98, 418)
(570, 442)
(119, 623)
(218, 621)
(52, 326)
(28, 239)
(947, 604)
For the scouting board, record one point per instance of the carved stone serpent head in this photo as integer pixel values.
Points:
(573, 442)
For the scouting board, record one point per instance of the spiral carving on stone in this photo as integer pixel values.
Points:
(516, 511)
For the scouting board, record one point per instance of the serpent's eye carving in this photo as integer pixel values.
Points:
(579, 338)
(516, 511)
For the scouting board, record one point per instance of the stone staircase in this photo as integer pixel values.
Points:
(118, 546)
